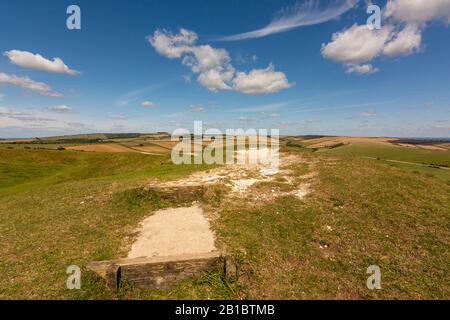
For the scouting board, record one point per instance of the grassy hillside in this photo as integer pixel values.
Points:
(393, 152)
(59, 208)
(414, 160)
(360, 213)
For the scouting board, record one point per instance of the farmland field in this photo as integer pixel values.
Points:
(106, 147)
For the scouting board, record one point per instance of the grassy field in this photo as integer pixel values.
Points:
(415, 155)
(59, 208)
(420, 160)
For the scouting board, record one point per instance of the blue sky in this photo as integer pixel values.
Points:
(129, 69)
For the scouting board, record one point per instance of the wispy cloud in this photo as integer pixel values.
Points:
(198, 108)
(301, 14)
(351, 106)
(245, 120)
(262, 108)
(187, 78)
(135, 94)
(286, 124)
(27, 83)
(368, 114)
(60, 109)
(427, 105)
(20, 120)
(119, 116)
(148, 104)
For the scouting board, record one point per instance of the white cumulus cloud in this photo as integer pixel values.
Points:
(401, 34)
(261, 81)
(356, 44)
(30, 60)
(213, 65)
(405, 42)
(170, 45)
(362, 69)
(215, 80)
(416, 11)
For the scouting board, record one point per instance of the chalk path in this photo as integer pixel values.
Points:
(173, 231)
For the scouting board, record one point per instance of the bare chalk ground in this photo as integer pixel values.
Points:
(173, 231)
(177, 231)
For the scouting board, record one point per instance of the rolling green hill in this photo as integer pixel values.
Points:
(431, 162)
(59, 208)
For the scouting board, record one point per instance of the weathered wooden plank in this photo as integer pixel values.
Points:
(164, 274)
(112, 277)
(155, 272)
(99, 267)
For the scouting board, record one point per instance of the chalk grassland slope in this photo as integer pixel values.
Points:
(425, 157)
(59, 208)
(393, 152)
(417, 160)
(359, 213)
